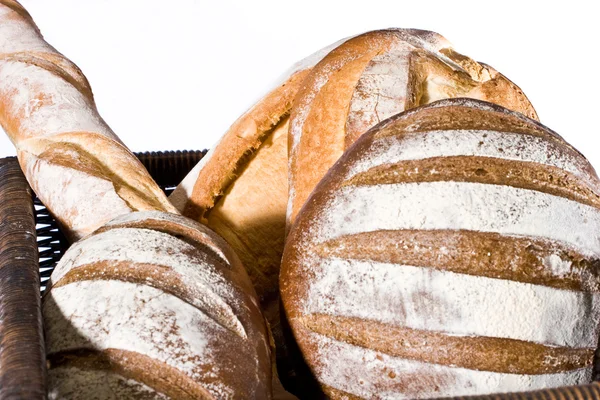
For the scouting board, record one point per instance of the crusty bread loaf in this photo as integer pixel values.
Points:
(48, 111)
(240, 188)
(370, 78)
(226, 190)
(154, 304)
(452, 250)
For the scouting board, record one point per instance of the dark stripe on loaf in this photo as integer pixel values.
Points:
(486, 254)
(487, 170)
(132, 365)
(473, 352)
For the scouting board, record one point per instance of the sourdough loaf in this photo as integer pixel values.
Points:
(370, 78)
(240, 188)
(154, 305)
(452, 250)
(48, 111)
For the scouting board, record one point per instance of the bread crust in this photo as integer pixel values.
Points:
(74, 162)
(162, 302)
(227, 189)
(372, 77)
(442, 303)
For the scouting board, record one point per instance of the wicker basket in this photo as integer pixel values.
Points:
(28, 256)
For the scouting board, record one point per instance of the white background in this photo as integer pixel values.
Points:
(171, 75)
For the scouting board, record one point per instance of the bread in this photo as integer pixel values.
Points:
(155, 305)
(48, 111)
(451, 251)
(150, 305)
(370, 78)
(240, 189)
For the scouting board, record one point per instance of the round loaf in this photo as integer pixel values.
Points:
(154, 305)
(453, 250)
(370, 78)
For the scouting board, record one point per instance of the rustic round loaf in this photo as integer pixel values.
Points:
(154, 305)
(453, 250)
(370, 78)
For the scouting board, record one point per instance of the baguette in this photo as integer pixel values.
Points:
(48, 111)
(451, 251)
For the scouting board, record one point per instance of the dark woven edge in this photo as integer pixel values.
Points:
(581, 392)
(168, 168)
(27, 253)
(22, 355)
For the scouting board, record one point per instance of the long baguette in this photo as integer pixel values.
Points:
(74, 162)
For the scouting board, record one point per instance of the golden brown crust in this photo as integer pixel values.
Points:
(238, 144)
(454, 117)
(509, 355)
(489, 170)
(78, 167)
(252, 219)
(322, 264)
(371, 77)
(473, 253)
(227, 190)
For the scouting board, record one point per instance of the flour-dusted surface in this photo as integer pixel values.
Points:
(461, 205)
(369, 78)
(505, 145)
(75, 212)
(199, 231)
(457, 304)
(162, 300)
(48, 111)
(118, 315)
(46, 104)
(380, 91)
(207, 288)
(383, 307)
(364, 372)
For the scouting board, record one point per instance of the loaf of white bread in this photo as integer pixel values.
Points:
(226, 189)
(370, 78)
(48, 111)
(152, 305)
(240, 189)
(452, 250)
